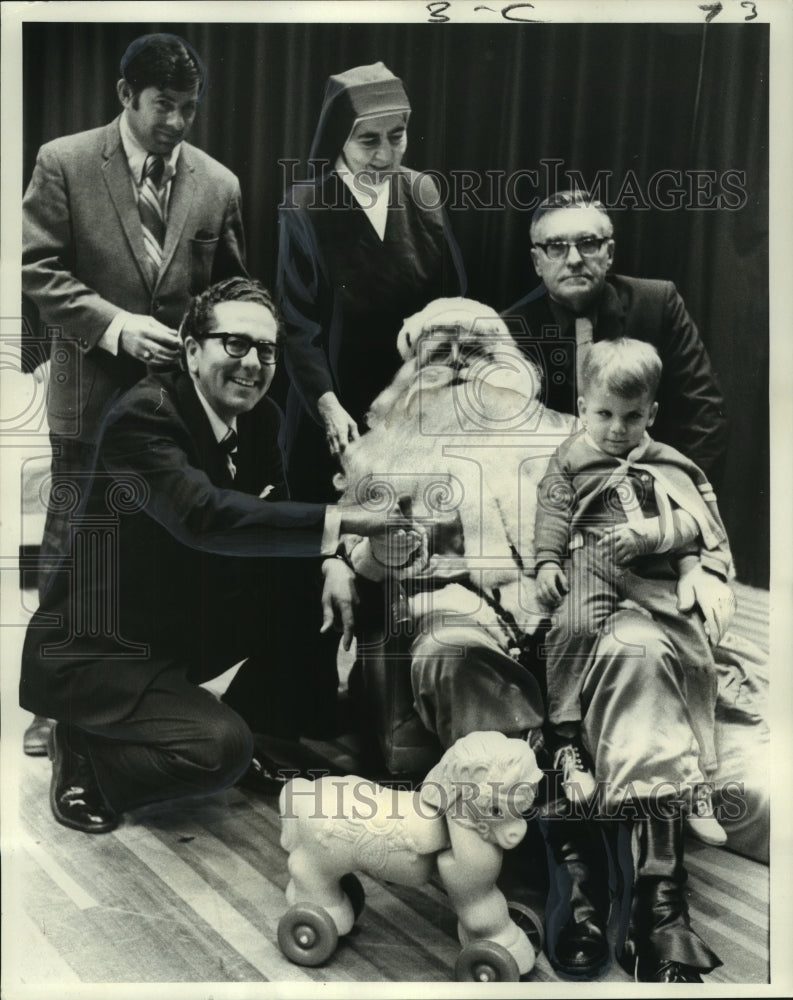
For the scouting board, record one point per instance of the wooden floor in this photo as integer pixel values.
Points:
(193, 893)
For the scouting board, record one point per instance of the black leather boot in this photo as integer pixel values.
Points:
(660, 946)
(577, 909)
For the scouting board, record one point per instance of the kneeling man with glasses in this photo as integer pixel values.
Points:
(179, 567)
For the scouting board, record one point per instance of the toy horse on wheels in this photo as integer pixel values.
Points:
(468, 810)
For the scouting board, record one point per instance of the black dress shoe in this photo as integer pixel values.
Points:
(582, 949)
(75, 797)
(37, 737)
(264, 776)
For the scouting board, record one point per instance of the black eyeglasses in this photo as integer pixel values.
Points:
(589, 246)
(237, 345)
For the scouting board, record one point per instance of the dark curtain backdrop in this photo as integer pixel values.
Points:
(504, 98)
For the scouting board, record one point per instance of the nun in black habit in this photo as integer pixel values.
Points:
(362, 246)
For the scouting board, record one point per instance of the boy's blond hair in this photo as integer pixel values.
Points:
(624, 366)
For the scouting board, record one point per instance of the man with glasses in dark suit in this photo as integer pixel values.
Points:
(580, 301)
(180, 570)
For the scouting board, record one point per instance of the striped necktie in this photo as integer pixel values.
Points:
(228, 445)
(151, 206)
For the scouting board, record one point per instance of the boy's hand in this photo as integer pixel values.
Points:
(621, 543)
(551, 584)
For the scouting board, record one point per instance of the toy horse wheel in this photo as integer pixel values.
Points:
(485, 962)
(351, 885)
(307, 934)
(528, 921)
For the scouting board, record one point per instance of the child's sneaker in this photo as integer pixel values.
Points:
(701, 821)
(578, 781)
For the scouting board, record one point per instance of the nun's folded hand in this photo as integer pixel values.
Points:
(340, 428)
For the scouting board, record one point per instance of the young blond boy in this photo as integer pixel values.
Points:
(635, 516)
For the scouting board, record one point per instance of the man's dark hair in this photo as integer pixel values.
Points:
(163, 61)
(566, 199)
(197, 318)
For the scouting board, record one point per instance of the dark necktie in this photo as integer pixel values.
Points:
(151, 206)
(228, 445)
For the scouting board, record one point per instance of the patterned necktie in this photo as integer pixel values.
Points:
(151, 206)
(584, 334)
(228, 446)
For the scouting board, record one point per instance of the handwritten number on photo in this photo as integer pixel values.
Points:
(437, 11)
(713, 9)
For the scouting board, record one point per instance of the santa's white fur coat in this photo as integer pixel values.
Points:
(462, 427)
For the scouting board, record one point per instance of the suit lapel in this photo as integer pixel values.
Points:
(260, 462)
(611, 315)
(252, 449)
(210, 457)
(182, 194)
(119, 185)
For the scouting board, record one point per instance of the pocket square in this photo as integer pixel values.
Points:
(202, 246)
